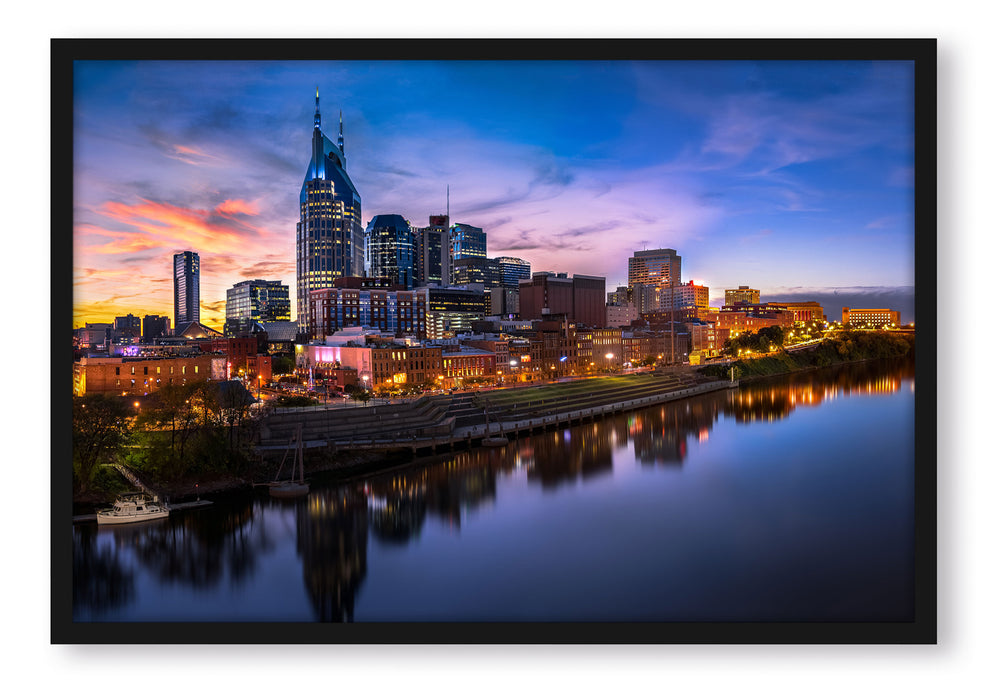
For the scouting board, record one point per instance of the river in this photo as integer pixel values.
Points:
(790, 499)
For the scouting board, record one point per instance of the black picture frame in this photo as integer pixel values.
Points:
(921, 631)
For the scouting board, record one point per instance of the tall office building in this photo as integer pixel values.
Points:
(185, 283)
(743, 293)
(154, 327)
(468, 241)
(433, 264)
(329, 237)
(390, 246)
(661, 267)
(512, 270)
(256, 301)
(475, 270)
(580, 299)
(128, 326)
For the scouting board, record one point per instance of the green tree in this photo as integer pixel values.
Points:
(100, 425)
(171, 409)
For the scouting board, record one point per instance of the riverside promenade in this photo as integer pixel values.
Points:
(442, 423)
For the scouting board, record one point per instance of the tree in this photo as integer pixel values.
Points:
(100, 425)
(171, 408)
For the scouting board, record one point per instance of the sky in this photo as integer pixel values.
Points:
(792, 177)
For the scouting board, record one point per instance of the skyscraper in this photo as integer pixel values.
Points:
(256, 301)
(185, 283)
(329, 237)
(390, 246)
(511, 270)
(433, 250)
(661, 267)
(468, 241)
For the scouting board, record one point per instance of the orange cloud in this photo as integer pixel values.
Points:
(160, 224)
(233, 207)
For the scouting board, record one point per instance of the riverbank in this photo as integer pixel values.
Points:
(841, 348)
(521, 411)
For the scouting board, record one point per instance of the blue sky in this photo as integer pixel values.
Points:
(792, 177)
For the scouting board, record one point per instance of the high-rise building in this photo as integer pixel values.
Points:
(390, 247)
(128, 326)
(581, 298)
(451, 310)
(256, 301)
(473, 269)
(511, 270)
(661, 267)
(185, 282)
(433, 264)
(468, 241)
(743, 293)
(154, 327)
(329, 237)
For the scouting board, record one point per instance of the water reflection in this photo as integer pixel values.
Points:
(199, 550)
(332, 528)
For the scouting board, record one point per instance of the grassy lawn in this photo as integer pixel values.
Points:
(556, 391)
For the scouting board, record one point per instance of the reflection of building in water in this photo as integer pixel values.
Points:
(448, 487)
(769, 402)
(579, 451)
(398, 517)
(333, 541)
(660, 435)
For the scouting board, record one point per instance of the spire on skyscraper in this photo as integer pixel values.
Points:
(340, 136)
(316, 117)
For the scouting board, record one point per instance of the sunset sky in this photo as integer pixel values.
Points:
(792, 177)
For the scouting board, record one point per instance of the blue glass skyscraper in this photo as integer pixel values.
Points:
(329, 237)
(390, 244)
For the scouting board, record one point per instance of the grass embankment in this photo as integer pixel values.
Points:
(550, 392)
(846, 346)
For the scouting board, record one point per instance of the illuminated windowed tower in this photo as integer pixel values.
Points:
(185, 287)
(329, 237)
(391, 249)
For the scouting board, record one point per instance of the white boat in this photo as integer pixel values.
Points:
(291, 488)
(132, 508)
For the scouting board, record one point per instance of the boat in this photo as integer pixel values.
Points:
(490, 440)
(292, 488)
(132, 508)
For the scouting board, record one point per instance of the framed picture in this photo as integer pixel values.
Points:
(493, 341)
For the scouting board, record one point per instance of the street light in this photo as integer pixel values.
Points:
(609, 356)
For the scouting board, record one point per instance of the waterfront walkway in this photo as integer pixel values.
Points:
(446, 422)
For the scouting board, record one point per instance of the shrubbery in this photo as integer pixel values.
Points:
(845, 346)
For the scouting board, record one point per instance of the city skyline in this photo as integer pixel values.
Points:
(792, 177)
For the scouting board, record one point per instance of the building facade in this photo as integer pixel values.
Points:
(154, 327)
(510, 271)
(452, 310)
(468, 241)
(399, 311)
(256, 301)
(580, 299)
(185, 286)
(391, 251)
(871, 318)
(140, 375)
(742, 293)
(660, 267)
(329, 235)
(433, 251)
